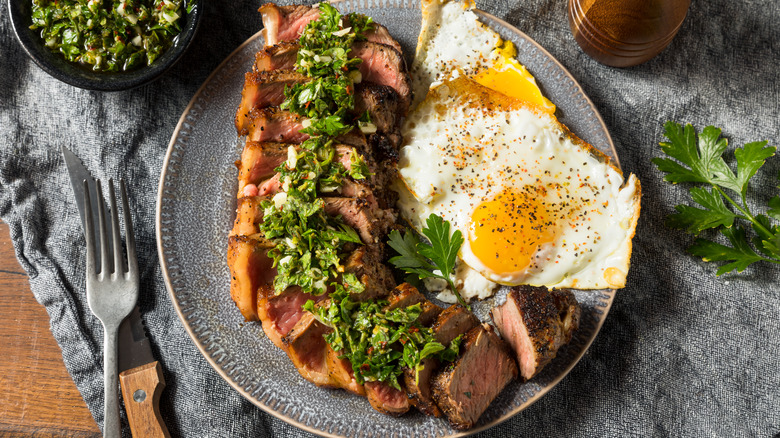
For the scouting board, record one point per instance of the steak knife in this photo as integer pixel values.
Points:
(140, 376)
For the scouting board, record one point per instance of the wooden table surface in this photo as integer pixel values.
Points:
(38, 397)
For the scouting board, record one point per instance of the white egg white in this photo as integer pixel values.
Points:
(452, 39)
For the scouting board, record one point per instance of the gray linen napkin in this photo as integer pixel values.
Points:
(681, 353)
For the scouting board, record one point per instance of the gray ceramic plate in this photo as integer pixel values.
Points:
(195, 210)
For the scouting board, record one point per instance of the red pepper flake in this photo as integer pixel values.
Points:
(365, 367)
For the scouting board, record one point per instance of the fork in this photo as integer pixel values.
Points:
(111, 295)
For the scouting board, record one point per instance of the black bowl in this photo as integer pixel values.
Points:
(56, 65)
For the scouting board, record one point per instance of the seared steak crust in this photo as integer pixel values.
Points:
(466, 387)
(536, 323)
(448, 325)
(261, 90)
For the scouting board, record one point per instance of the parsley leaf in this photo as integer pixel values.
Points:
(425, 260)
(702, 162)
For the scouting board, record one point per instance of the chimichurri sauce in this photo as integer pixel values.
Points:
(109, 35)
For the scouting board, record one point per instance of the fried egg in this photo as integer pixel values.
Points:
(535, 204)
(454, 42)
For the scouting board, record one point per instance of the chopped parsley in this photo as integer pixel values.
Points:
(310, 244)
(109, 35)
(378, 343)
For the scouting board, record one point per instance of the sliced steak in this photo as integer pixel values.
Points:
(249, 215)
(264, 89)
(366, 263)
(429, 313)
(453, 322)
(341, 372)
(279, 313)
(403, 296)
(286, 23)
(349, 189)
(466, 387)
(448, 325)
(536, 323)
(307, 349)
(259, 161)
(371, 223)
(274, 125)
(250, 268)
(381, 102)
(386, 399)
(382, 65)
(281, 56)
(261, 90)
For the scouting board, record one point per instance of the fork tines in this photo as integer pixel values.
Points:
(119, 265)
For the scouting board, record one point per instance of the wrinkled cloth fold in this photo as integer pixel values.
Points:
(682, 352)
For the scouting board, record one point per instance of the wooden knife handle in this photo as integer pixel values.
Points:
(141, 390)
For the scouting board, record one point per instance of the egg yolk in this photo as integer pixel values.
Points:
(509, 77)
(506, 232)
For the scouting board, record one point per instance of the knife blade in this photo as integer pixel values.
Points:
(140, 376)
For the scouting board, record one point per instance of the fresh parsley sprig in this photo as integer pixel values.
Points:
(702, 162)
(426, 259)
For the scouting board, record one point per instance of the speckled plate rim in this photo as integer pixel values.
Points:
(606, 296)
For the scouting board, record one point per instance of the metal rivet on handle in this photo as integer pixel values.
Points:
(139, 396)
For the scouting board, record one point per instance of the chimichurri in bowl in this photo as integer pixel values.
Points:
(105, 45)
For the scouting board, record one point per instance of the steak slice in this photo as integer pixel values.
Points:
(273, 124)
(286, 23)
(348, 189)
(371, 223)
(449, 324)
(466, 387)
(249, 215)
(306, 346)
(261, 90)
(536, 323)
(264, 89)
(429, 313)
(381, 102)
(259, 161)
(403, 296)
(386, 399)
(382, 65)
(250, 268)
(341, 372)
(366, 263)
(279, 313)
(281, 56)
